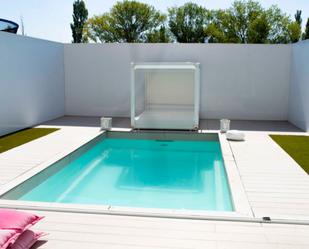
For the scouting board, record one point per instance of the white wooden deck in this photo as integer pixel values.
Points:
(19, 160)
(81, 231)
(275, 185)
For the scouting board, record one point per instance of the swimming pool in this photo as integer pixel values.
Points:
(138, 170)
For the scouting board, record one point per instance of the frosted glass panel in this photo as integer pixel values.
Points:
(173, 88)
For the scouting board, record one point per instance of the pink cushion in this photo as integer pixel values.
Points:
(7, 237)
(20, 221)
(26, 239)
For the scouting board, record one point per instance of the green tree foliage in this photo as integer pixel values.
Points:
(283, 29)
(258, 30)
(295, 27)
(248, 22)
(188, 22)
(244, 22)
(80, 16)
(306, 33)
(159, 36)
(127, 21)
(294, 30)
(298, 18)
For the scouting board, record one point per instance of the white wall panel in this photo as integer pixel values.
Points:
(237, 81)
(299, 88)
(31, 81)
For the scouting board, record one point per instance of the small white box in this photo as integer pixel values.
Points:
(224, 125)
(106, 123)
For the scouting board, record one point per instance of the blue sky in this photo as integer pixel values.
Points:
(51, 19)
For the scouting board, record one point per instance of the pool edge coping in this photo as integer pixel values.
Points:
(238, 193)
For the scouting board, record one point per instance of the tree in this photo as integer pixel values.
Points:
(244, 22)
(259, 29)
(294, 32)
(295, 27)
(188, 22)
(283, 30)
(80, 16)
(298, 18)
(159, 36)
(248, 22)
(244, 18)
(127, 21)
(306, 33)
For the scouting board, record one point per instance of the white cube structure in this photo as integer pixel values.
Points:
(106, 123)
(165, 95)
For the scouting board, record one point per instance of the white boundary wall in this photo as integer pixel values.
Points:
(31, 81)
(248, 82)
(42, 80)
(299, 87)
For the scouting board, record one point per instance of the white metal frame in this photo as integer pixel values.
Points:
(167, 66)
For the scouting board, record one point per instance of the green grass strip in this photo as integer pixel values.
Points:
(15, 139)
(296, 146)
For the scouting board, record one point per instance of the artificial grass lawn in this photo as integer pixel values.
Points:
(296, 146)
(15, 139)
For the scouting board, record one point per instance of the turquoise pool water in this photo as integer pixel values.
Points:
(142, 173)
